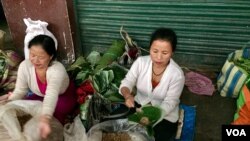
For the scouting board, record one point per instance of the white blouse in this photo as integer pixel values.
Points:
(166, 94)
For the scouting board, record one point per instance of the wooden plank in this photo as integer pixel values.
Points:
(54, 12)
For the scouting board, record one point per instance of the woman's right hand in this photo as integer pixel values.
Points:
(4, 98)
(44, 126)
(129, 98)
(130, 101)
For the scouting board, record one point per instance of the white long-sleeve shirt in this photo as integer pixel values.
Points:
(166, 94)
(57, 83)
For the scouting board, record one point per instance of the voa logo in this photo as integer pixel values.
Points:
(236, 132)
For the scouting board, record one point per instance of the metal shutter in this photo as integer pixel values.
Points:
(207, 30)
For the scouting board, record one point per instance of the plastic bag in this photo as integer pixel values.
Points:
(10, 112)
(135, 131)
(75, 131)
(33, 29)
(31, 130)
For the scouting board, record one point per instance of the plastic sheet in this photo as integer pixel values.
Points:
(134, 130)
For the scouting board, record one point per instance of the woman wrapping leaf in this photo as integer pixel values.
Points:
(159, 81)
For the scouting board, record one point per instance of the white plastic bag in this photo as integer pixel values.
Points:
(10, 111)
(9, 118)
(33, 29)
(75, 131)
(31, 130)
(135, 131)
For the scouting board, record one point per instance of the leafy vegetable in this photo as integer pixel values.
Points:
(151, 113)
(111, 55)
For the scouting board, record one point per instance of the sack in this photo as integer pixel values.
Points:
(75, 131)
(232, 77)
(31, 130)
(33, 29)
(242, 115)
(118, 129)
(10, 112)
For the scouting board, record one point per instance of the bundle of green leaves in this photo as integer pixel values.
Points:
(102, 70)
(147, 116)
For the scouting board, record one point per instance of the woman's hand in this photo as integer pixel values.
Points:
(129, 98)
(130, 101)
(44, 126)
(4, 98)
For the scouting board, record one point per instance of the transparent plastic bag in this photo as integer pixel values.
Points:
(135, 131)
(10, 112)
(75, 131)
(31, 130)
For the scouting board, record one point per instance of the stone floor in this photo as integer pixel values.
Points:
(212, 111)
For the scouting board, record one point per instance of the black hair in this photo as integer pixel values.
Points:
(47, 44)
(165, 34)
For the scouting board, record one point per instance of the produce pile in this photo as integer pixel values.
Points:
(98, 78)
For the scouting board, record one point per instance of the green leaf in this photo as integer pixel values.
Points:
(102, 80)
(111, 55)
(93, 58)
(114, 97)
(81, 76)
(77, 64)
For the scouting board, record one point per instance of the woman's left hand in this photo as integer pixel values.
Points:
(44, 126)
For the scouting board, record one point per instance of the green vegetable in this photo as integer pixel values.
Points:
(243, 63)
(151, 112)
(111, 55)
